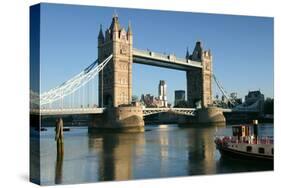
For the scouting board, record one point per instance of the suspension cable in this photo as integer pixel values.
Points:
(223, 91)
(74, 83)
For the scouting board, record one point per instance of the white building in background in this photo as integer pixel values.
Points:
(162, 90)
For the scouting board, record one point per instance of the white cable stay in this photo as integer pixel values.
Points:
(74, 83)
(233, 102)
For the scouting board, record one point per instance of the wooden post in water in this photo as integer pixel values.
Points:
(59, 136)
(60, 150)
(59, 164)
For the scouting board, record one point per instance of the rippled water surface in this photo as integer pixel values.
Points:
(161, 151)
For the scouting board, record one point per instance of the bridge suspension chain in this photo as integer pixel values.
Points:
(233, 102)
(69, 87)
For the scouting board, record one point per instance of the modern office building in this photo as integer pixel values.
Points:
(179, 96)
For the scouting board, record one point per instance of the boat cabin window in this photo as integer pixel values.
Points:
(261, 150)
(240, 131)
(249, 148)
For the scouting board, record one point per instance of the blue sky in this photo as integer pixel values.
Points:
(242, 46)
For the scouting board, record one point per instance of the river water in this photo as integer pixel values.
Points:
(161, 151)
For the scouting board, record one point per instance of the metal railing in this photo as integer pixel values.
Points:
(183, 111)
(246, 139)
(71, 111)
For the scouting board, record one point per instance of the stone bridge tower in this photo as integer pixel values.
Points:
(199, 81)
(115, 81)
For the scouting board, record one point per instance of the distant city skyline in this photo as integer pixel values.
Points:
(242, 46)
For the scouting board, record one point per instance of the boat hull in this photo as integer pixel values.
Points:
(244, 155)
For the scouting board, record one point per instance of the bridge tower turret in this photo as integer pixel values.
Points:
(207, 73)
(187, 54)
(199, 82)
(100, 37)
(197, 52)
(115, 81)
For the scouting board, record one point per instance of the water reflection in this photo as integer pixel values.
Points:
(161, 151)
(116, 153)
(202, 151)
(59, 163)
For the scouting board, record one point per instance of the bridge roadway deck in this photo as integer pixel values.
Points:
(164, 60)
(182, 111)
(146, 111)
(69, 111)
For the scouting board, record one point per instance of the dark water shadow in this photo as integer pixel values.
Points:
(227, 164)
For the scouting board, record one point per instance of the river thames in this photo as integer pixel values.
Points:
(161, 151)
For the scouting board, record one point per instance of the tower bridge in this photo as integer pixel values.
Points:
(114, 70)
(115, 80)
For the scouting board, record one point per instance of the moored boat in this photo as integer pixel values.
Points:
(245, 143)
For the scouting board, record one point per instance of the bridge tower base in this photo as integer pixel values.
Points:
(205, 116)
(210, 115)
(120, 119)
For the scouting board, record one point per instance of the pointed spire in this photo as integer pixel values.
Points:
(209, 52)
(100, 37)
(101, 33)
(115, 23)
(199, 45)
(129, 30)
(187, 54)
(197, 52)
(115, 13)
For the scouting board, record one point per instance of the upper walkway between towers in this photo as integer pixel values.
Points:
(164, 60)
